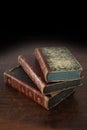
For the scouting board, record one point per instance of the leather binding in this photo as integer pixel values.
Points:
(58, 64)
(31, 66)
(19, 80)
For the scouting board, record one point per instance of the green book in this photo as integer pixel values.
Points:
(58, 64)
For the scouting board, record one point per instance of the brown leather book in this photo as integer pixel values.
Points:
(58, 64)
(33, 70)
(19, 80)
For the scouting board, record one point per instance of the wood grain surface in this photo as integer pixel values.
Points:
(19, 112)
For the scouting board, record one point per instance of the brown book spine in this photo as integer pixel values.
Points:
(26, 90)
(43, 64)
(29, 70)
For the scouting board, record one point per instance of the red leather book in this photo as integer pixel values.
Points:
(31, 66)
(19, 80)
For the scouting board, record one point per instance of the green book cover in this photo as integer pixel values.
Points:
(58, 64)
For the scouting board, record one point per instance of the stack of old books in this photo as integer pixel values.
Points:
(48, 76)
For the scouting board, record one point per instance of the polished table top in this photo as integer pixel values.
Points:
(19, 112)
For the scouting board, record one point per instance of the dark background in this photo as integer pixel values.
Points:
(12, 36)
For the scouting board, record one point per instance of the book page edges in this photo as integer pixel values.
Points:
(62, 99)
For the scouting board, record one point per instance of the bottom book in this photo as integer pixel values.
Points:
(19, 80)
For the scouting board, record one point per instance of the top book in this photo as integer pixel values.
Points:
(58, 64)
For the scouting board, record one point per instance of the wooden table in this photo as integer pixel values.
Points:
(19, 112)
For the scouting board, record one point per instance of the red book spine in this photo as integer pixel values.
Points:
(43, 64)
(28, 69)
(27, 90)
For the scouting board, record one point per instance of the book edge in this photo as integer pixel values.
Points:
(28, 69)
(42, 62)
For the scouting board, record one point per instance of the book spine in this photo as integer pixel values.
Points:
(26, 90)
(42, 62)
(29, 70)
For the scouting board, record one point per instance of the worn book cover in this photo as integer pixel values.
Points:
(19, 80)
(33, 70)
(58, 64)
